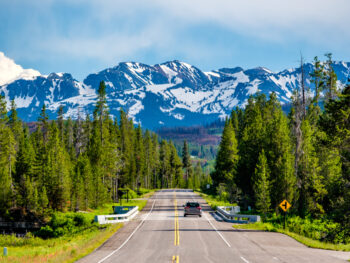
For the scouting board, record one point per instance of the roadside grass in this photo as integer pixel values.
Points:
(107, 208)
(148, 194)
(62, 249)
(302, 239)
(214, 201)
(66, 248)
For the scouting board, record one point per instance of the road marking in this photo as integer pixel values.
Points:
(246, 261)
(217, 231)
(176, 233)
(143, 220)
(176, 259)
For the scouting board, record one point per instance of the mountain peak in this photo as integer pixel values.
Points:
(10, 71)
(173, 93)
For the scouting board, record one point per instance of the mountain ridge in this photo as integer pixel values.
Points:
(172, 93)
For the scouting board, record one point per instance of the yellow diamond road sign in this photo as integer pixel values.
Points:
(285, 205)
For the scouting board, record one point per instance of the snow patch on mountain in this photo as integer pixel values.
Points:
(171, 93)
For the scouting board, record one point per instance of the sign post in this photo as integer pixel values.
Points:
(285, 206)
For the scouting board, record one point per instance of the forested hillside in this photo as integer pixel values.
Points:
(266, 156)
(203, 141)
(74, 165)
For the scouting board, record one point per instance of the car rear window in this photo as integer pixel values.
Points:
(192, 204)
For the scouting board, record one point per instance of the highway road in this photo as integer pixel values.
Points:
(162, 234)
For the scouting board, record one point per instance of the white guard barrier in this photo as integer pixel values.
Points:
(230, 215)
(117, 218)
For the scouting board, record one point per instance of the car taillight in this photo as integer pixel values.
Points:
(199, 207)
(187, 207)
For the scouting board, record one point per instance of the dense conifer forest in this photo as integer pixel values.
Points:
(67, 165)
(266, 156)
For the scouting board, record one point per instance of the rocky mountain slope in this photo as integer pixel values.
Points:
(173, 93)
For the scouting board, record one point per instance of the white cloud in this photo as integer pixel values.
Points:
(115, 30)
(10, 71)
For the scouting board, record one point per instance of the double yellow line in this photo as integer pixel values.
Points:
(177, 233)
(176, 259)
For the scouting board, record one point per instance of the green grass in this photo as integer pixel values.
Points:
(107, 208)
(63, 249)
(67, 248)
(214, 201)
(302, 239)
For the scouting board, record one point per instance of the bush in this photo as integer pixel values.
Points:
(65, 224)
(317, 229)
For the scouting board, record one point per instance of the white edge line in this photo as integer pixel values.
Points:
(217, 231)
(246, 261)
(129, 236)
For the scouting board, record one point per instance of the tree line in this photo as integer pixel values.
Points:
(266, 156)
(75, 165)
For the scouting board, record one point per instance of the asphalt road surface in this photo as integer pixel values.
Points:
(160, 233)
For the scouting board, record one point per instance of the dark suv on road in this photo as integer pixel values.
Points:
(192, 208)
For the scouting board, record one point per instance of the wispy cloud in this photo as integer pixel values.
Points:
(115, 30)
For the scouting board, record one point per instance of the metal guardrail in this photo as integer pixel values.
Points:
(231, 216)
(20, 225)
(117, 218)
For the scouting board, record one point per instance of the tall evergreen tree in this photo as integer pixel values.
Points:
(227, 158)
(262, 185)
(186, 160)
(7, 159)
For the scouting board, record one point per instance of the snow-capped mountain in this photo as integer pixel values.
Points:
(170, 94)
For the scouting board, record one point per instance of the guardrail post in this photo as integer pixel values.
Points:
(5, 251)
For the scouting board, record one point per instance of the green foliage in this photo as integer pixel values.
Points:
(304, 158)
(262, 185)
(216, 200)
(74, 165)
(66, 224)
(227, 158)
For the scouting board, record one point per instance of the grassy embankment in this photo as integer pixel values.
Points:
(214, 201)
(75, 236)
(312, 233)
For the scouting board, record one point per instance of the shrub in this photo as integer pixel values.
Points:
(65, 224)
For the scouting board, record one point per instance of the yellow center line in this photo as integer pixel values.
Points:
(176, 259)
(177, 233)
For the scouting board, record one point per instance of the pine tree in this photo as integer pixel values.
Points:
(43, 119)
(317, 78)
(186, 160)
(227, 158)
(156, 161)
(57, 182)
(149, 159)
(335, 162)
(15, 124)
(279, 156)
(60, 122)
(176, 168)
(164, 157)
(139, 156)
(261, 185)
(330, 78)
(252, 142)
(312, 189)
(7, 159)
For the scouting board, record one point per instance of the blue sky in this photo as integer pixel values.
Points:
(83, 37)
